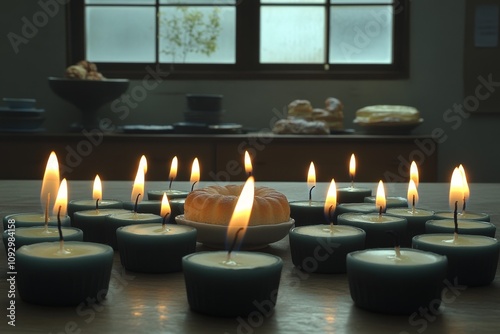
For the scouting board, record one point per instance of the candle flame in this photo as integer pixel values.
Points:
(352, 166)
(242, 211)
(456, 188)
(97, 190)
(50, 183)
(380, 201)
(173, 168)
(61, 199)
(165, 206)
(138, 188)
(195, 171)
(311, 176)
(414, 173)
(465, 185)
(412, 194)
(248, 163)
(144, 163)
(331, 200)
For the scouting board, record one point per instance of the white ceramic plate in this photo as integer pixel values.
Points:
(256, 237)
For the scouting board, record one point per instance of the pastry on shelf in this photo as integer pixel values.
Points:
(300, 126)
(83, 70)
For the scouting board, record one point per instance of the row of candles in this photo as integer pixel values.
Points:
(136, 236)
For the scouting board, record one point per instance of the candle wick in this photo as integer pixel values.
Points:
(165, 220)
(61, 239)
(170, 184)
(352, 181)
(380, 211)
(249, 173)
(455, 218)
(97, 205)
(463, 207)
(398, 251)
(192, 187)
(310, 193)
(46, 216)
(397, 245)
(233, 243)
(136, 203)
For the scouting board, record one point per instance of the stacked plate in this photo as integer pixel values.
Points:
(21, 115)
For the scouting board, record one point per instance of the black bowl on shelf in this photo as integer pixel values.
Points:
(88, 95)
(204, 102)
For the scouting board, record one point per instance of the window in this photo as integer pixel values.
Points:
(242, 39)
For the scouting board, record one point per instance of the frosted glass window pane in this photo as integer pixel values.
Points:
(307, 2)
(198, 2)
(350, 2)
(177, 47)
(119, 2)
(292, 34)
(361, 35)
(120, 34)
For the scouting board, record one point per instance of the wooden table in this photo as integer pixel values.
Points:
(307, 303)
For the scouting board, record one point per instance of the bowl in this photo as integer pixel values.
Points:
(204, 102)
(389, 128)
(256, 237)
(19, 103)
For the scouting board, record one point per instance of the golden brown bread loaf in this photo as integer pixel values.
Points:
(300, 108)
(387, 114)
(215, 205)
(83, 70)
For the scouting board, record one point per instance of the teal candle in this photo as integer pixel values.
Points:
(375, 226)
(177, 207)
(474, 227)
(48, 276)
(323, 248)
(147, 206)
(32, 219)
(391, 201)
(472, 259)
(354, 208)
(383, 280)
(246, 283)
(157, 195)
(91, 222)
(307, 212)
(416, 219)
(114, 221)
(151, 248)
(90, 204)
(352, 194)
(31, 235)
(465, 215)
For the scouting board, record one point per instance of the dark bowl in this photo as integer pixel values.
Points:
(204, 102)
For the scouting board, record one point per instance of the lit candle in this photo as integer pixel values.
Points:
(171, 193)
(248, 164)
(322, 249)
(394, 280)
(459, 190)
(353, 194)
(155, 248)
(67, 272)
(233, 283)
(308, 212)
(91, 222)
(177, 204)
(375, 224)
(465, 226)
(137, 202)
(96, 202)
(416, 218)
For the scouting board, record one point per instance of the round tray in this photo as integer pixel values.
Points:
(389, 128)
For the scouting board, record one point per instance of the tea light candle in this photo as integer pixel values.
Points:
(308, 212)
(30, 219)
(233, 283)
(177, 207)
(155, 248)
(392, 201)
(473, 227)
(95, 202)
(352, 194)
(31, 235)
(91, 222)
(398, 281)
(472, 259)
(114, 221)
(146, 206)
(47, 275)
(156, 195)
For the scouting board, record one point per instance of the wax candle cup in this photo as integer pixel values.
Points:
(416, 219)
(247, 283)
(382, 281)
(177, 207)
(354, 208)
(48, 276)
(35, 234)
(392, 201)
(472, 259)
(91, 222)
(465, 215)
(156, 195)
(474, 227)
(80, 205)
(32, 219)
(352, 194)
(307, 212)
(322, 248)
(151, 248)
(114, 221)
(376, 227)
(147, 206)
